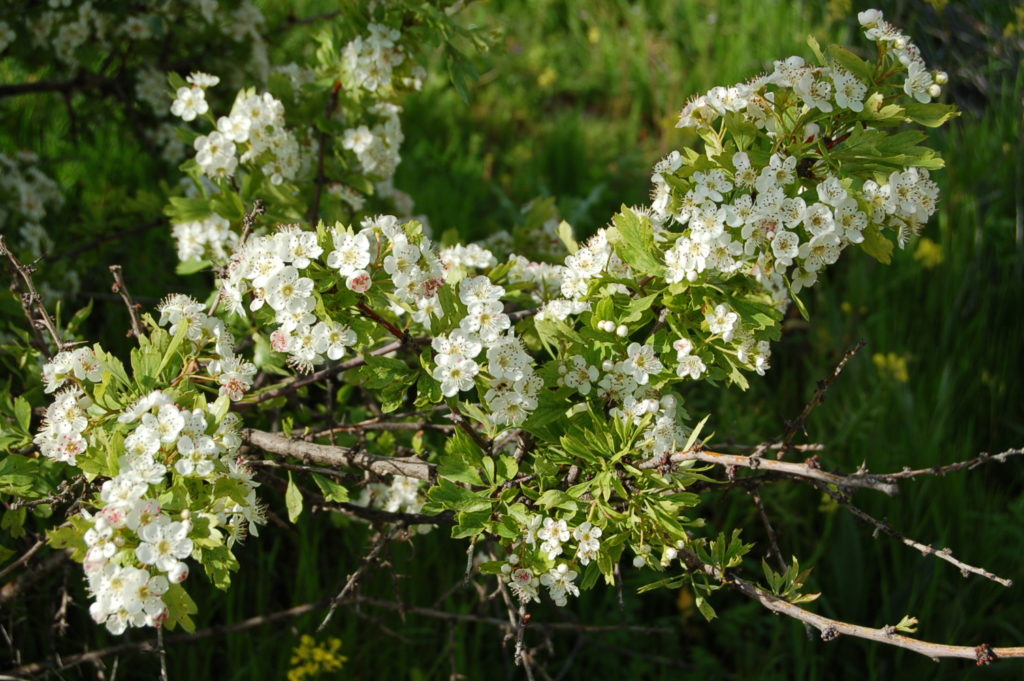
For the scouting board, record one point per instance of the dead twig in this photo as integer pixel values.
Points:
(121, 289)
(883, 526)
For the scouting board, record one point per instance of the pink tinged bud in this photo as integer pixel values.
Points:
(359, 281)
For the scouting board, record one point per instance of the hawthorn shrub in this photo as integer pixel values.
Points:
(530, 394)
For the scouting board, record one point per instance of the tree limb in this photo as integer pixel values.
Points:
(340, 457)
(831, 628)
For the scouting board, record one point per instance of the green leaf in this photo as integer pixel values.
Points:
(293, 500)
(187, 267)
(930, 115)
(448, 495)
(331, 490)
(175, 343)
(180, 608)
(633, 239)
(556, 498)
(876, 245)
(565, 234)
(852, 63)
(18, 474)
(23, 413)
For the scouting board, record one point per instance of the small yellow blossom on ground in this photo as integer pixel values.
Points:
(929, 253)
(311, 659)
(892, 366)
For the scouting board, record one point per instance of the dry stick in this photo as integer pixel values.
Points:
(32, 298)
(151, 645)
(831, 628)
(25, 557)
(99, 241)
(376, 515)
(334, 457)
(121, 289)
(785, 468)
(321, 137)
(383, 541)
(296, 383)
(14, 589)
(819, 396)
(497, 622)
(969, 464)
(773, 538)
(944, 554)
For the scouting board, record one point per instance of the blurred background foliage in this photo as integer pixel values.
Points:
(576, 101)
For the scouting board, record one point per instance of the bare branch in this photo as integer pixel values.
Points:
(100, 240)
(340, 457)
(121, 289)
(800, 422)
(807, 471)
(881, 525)
(31, 299)
(831, 628)
(969, 464)
(299, 382)
(382, 541)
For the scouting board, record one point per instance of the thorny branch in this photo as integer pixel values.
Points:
(798, 424)
(832, 628)
(121, 289)
(883, 526)
(32, 300)
(382, 541)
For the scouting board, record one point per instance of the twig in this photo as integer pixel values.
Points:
(296, 383)
(81, 82)
(161, 653)
(785, 468)
(354, 577)
(377, 515)
(831, 628)
(151, 645)
(258, 208)
(800, 422)
(339, 457)
(13, 590)
(99, 241)
(773, 538)
(463, 423)
(321, 137)
(969, 464)
(883, 526)
(32, 299)
(121, 289)
(25, 557)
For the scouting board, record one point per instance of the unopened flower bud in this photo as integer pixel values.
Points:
(622, 331)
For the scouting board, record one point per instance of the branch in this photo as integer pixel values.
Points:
(339, 457)
(808, 471)
(881, 525)
(121, 289)
(99, 241)
(969, 464)
(350, 583)
(82, 81)
(32, 299)
(151, 645)
(800, 422)
(326, 372)
(831, 628)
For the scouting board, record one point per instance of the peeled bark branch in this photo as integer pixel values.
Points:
(795, 470)
(340, 457)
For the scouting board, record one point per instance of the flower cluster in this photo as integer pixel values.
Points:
(232, 373)
(542, 543)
